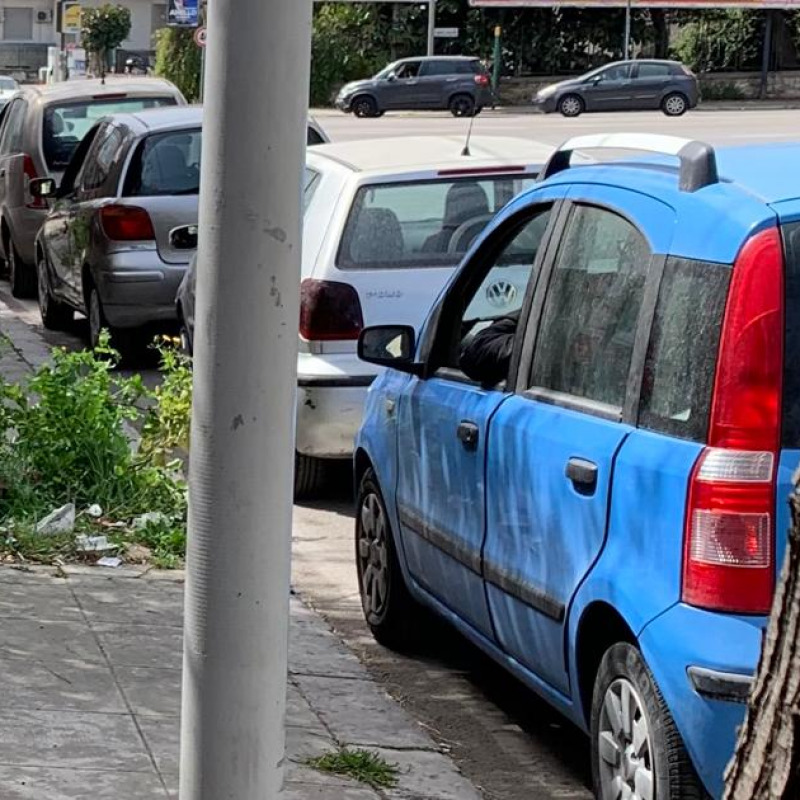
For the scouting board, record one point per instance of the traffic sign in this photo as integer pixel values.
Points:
(200, 36)
(446, 33)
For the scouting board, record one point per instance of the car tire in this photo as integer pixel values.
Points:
(124, 341)
(183, 333)
(462, 105)
(570, 105)
(365, 106)
(640, 747)
(675, 104)
(309, 476)
(390, 611)
(21, 276)
(56, 316)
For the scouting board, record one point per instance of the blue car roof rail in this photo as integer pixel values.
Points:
(698, 162)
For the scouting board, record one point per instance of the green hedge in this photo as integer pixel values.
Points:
(178, 59)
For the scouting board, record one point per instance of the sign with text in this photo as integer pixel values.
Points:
(70, 18)
(754, 4)
(446, 33)
(183, 13)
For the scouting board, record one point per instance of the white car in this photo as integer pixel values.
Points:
(8, 88)
(386, 223)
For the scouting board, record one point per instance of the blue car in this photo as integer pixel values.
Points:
(608, 519)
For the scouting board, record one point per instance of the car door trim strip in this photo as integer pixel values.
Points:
(524, 592)
(503, 579)
(443, 540)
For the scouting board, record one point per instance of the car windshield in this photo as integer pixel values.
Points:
(67, 123)
(8, 85)
(166, 164)
(424, 223)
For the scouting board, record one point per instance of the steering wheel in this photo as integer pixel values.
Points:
(468, 232)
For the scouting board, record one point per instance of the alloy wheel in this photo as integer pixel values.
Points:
(675, 106)
(625, 745)
(462, 107)
(570, 106)
(373, 556)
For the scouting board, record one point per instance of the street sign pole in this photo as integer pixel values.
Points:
(240, 483)
(431, 27)
(627, 45)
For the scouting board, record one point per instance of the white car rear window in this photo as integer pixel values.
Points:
(424, 223)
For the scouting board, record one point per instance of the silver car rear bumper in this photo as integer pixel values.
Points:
(137, 288)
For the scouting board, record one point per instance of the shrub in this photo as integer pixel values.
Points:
(179, 59)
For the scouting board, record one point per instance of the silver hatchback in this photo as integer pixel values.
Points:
(40, 129)
(105, 248)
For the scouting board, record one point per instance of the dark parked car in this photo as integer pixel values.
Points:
(624, 86)
(459, 84)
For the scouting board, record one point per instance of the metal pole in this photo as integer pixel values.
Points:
(497, 56)
(766, 55)
(627, 47)
(240, 483)
(431, 27)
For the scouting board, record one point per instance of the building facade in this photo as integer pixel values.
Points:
(28, 27)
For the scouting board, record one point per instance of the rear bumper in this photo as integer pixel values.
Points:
(138, 288)
(703, 664)
(331, 392)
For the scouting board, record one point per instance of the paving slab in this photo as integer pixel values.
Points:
(90, 703)
(71, 739)
(46, 783)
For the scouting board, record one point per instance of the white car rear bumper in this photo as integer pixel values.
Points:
(331, 391)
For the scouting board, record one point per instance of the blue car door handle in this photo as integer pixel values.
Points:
(583, 474)
(468, 434)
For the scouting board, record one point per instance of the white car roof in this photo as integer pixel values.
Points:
(433, 153)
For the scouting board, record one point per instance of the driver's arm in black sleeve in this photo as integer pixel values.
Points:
(487, 356)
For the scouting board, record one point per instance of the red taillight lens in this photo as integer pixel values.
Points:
(30, 173)
(729, 553)
(746, 406)
(482, 79)
(127, 224)
(329, 311)
(728, 558)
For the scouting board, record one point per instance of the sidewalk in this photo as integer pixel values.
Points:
(90, 660)
(90, 696)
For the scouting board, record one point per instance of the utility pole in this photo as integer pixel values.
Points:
(240, 482)
(431, 27)
(766, 54)
(627, 44)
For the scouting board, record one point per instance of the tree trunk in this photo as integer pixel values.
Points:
(658, 17)
(766, 764)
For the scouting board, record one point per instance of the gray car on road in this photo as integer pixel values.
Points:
(458, 84)
(105, 248)
(40, 130)
(624, 86)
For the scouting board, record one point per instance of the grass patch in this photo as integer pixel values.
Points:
(360, 765)
(64, 438)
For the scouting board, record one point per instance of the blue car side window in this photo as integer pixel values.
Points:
(591, 310)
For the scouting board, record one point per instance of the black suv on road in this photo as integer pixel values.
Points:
(459, 84)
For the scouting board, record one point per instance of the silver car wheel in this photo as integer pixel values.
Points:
(373, 556)
(571, 106)
(625, 745)
(675, 106)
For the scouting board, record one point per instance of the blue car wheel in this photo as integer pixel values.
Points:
(389, 609)
(637, 751)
